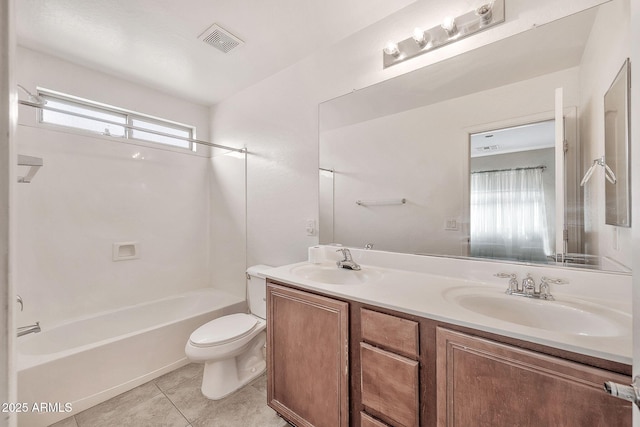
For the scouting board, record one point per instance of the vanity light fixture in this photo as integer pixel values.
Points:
(452, 28)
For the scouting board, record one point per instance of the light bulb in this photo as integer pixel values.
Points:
(391, 48)
(449, 25)
(418, 36)
(485, 14)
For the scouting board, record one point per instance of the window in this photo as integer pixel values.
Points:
(68, 111)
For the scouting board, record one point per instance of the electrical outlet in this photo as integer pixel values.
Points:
(310, 227)
(451, 224)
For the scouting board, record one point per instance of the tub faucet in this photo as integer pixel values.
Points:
(347, 262)
(31, 329)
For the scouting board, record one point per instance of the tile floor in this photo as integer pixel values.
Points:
(174, 399)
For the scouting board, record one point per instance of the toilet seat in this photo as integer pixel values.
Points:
(223, 330)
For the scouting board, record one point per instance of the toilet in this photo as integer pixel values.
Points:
(232, 346)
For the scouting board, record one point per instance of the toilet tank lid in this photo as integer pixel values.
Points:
(258, 270)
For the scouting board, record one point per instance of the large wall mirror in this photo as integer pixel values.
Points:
(401, 161)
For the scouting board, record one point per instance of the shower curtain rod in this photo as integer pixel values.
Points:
(512, 169)
(128, 126)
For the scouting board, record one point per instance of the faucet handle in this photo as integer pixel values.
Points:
(513, 281)
(505, 275)
(554, 281)
(19, 301)
(545, 289)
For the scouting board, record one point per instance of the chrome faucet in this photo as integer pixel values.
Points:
(528, 288)
(347, 262)
(529, 285)
(24, 330)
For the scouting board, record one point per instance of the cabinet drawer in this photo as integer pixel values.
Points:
(391, 332)
(389, 386)
(368, 421)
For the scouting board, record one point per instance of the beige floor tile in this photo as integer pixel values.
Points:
(188, 398)
(245, 408)
(67, 422)
(260, 383)
(125, 400)
(157, 411)
(143, 406)
(175, 400)
(180, 375)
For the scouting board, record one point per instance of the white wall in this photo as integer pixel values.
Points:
(8, 120)
(422, 155)
(608, 46)
(93, 191)
(277, 118)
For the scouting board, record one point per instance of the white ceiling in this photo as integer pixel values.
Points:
(534, 136)
(154, 42)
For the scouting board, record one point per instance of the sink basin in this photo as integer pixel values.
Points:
(570, 316)
(329, 273)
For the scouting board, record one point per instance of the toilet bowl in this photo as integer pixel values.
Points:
(232, 347)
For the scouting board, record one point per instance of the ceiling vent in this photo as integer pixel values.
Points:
(220, 38)
(488, 148)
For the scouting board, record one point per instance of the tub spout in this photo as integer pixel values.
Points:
(24, 330)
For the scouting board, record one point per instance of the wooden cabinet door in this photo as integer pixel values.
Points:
(307, 357)
(484, 383)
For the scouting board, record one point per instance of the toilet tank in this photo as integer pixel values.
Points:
(257, 290)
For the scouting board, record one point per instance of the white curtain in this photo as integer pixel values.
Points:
(508, 215)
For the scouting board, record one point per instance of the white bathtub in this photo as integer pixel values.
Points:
(88, 360)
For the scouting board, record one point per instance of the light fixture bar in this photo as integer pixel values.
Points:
(452, 29)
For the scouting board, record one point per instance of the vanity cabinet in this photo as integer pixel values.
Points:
(339, 363)
(307, 357)
(485, 383)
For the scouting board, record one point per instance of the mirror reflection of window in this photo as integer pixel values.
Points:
(508, 212)
(512, 193)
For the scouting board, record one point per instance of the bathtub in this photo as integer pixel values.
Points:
(82, 362)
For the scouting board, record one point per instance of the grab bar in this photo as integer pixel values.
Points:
(381, 202)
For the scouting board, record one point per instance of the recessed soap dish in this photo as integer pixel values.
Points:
(123, 251)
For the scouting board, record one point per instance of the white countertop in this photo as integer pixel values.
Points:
(432, 296)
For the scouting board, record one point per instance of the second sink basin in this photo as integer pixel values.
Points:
(571, 316)
(329, 273)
